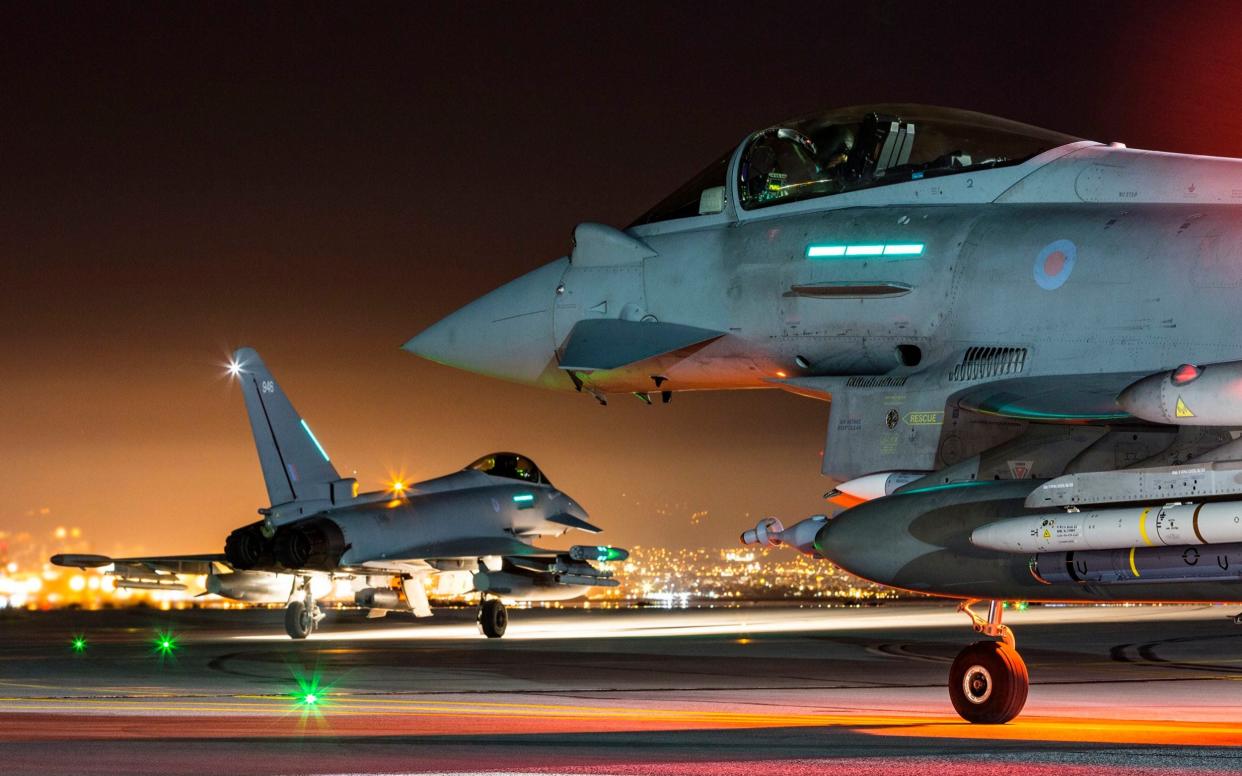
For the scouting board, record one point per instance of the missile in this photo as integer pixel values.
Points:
(542, 587)
(1112, 529)
(1188, 396)
(870, 487)
(149, 584)
(1198, 481)
(1217, 563)
(772, 532)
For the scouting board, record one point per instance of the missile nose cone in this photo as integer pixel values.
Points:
(506, 333)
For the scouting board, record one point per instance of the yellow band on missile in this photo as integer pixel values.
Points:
(1143, 529)
(1132, 566)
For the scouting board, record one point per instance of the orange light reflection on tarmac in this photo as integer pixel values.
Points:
(267, 716)
(531, 626)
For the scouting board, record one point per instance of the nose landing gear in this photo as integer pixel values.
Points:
(988, 682)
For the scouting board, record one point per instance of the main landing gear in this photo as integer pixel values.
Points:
(302, 616)
(493, 618)
(988, 682)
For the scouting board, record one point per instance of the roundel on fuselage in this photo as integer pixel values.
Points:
(1054, 264)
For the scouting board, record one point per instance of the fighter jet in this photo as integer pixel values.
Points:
(471, 530)
(1025, 340)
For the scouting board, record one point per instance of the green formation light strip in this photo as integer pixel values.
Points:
(311, 434)
(867, 251)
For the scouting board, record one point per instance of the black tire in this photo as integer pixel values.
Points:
(493, 618)
(988, 683)
(298, 621)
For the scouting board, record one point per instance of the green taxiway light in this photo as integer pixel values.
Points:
(861, 251)
(310, 695)
(79, 644)
(165, 643)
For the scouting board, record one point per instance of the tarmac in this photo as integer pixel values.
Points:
(750, 690)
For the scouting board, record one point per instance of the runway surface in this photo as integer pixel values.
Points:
(750, 691)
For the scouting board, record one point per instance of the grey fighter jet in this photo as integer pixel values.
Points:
(469, 530)
(1026, 339)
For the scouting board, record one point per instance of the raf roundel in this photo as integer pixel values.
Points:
(1054, 264)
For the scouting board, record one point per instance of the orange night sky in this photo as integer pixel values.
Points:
(178, 181)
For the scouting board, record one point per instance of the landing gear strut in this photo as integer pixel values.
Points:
(493, 618)
(988, 682)
(302, 616)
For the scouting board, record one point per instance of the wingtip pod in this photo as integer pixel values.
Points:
(81, 561)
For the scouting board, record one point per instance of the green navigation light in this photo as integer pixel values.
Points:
(78, 643)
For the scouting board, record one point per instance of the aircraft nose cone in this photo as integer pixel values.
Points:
(506, 333)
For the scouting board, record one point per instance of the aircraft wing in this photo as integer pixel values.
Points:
(172, 564)
(470, 548)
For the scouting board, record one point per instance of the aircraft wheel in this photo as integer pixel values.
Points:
(988, 683)
(493, 618)
(298, 620)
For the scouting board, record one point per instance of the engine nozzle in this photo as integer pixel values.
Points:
(316, 544)
(248, 548)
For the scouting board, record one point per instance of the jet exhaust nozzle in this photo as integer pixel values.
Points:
(248, 548)
(316, 544)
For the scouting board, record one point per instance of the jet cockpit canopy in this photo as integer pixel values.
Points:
(859, 147)
(511, 466)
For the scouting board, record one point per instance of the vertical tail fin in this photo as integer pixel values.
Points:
(295, 466)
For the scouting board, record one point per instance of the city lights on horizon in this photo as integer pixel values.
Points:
(658, 576)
